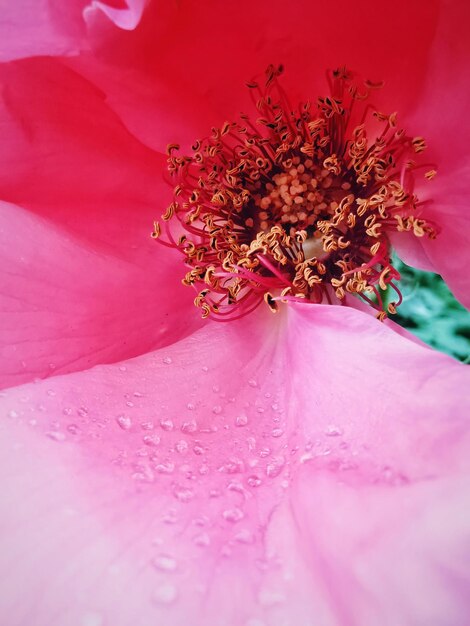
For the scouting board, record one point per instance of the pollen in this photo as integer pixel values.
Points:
(296, 203)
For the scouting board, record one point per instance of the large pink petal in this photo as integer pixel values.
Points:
(308, 467)
(441, 116)
(188, 62)
(33, 27)
(82, 281)
(53, 27)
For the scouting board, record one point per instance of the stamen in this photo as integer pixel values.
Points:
(295, 206)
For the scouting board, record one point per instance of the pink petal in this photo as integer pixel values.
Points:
(188, 62)
(53, 27)
(34, 27)
(276, 470)
(82, 281)
(126, 17)
(441, 117)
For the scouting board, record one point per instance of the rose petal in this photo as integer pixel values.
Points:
(441, 117)
(34, 27)
(186, 54)
(126, 17)
(82, 281)
(66, 305)
(272, 470)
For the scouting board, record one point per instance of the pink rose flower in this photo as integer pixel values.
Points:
(308, 467)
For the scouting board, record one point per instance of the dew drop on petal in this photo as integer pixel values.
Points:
(217, 409)
(151, 440)
(274, 467)
(254, 481)
(55, 435)
(189, 427)
(165, 563)
(124, 422)
(167, 424)
(233, 515)
(183, 494)
(167, 360)
(333, 431)
(241, 420)
(165, 468)
(244, 536)
(181, 446)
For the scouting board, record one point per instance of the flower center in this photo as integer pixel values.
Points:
(297, 205)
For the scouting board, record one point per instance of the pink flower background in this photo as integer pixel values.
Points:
(308, 468)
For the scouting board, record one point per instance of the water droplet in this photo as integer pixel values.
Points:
(124, 422)
(244, 536)
(205, 368)
(190, 406)
(55, 435)
(333, 431)
(215, 388)
(274, 467)
(82, 411)
(277, 432)
(233, 515)
(183, 494)
(13, 414)
(203, 540)
(181, 446)
(217, 409)
(252, 382)
(130, 403)
(189, 426)
(264, 452)
(122, 368)
(147, 425)
(254, 481)
(198, 450)
(151, 440)
(165, 594)
(165, 563)
(167, 424)
(232, 466)
(167, 360)
(165, 468)
(51, 392)
(67, 411)
(241, 420)
(73, 429)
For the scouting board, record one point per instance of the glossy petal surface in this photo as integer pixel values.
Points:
(141, 505)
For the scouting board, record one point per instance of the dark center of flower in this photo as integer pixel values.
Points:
(297, 205)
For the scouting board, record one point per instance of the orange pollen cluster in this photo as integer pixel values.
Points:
(297, 205)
